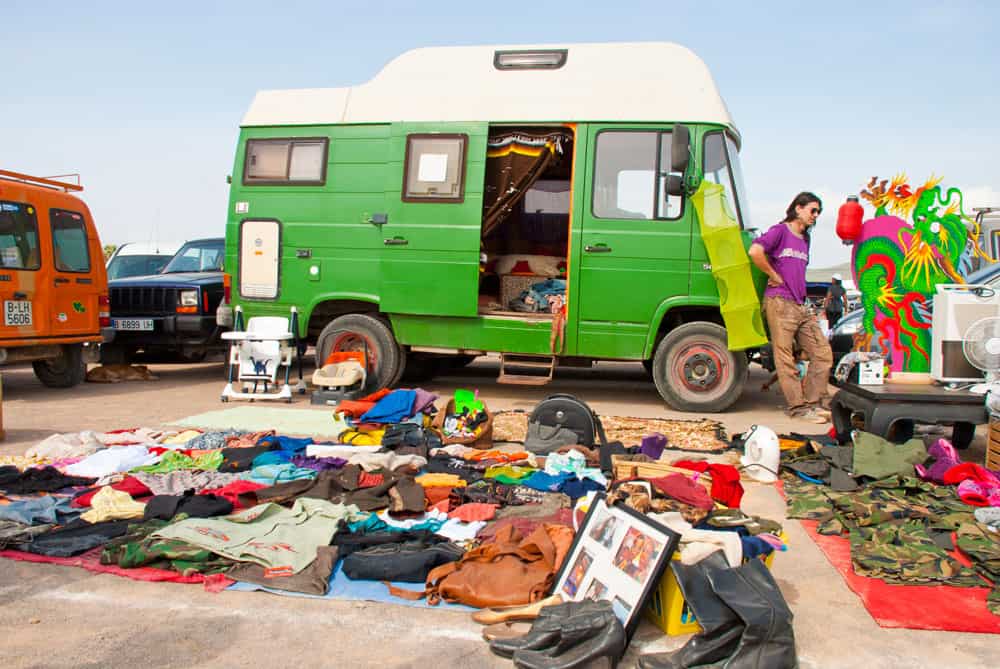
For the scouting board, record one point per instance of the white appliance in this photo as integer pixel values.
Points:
(956, 308)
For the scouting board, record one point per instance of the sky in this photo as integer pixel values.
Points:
(144, 102)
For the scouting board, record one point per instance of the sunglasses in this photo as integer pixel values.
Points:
(815, 211)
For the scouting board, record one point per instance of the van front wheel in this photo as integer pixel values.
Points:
(695, 371)
(66, 371)
(361, 332)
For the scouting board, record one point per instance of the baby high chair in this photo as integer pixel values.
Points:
(257, 354)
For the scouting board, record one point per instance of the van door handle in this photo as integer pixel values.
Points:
(20, 296)
(598, 248)
(60, 280)
(395, 241)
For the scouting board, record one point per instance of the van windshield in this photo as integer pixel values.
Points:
(18, 236)
(204, 256)
(721, 165)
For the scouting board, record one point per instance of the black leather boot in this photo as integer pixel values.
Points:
(545, 630)
(594, 638)
(721, 628)
(768, 640)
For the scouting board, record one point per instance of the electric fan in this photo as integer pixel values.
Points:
(981, 345)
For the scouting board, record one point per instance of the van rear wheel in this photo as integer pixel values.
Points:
(361, 332)
(694, 370)
(66, 371)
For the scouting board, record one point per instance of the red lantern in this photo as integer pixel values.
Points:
(849, 220)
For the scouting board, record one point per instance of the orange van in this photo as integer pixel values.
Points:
(53, 286)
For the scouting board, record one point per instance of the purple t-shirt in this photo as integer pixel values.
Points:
(788, 254)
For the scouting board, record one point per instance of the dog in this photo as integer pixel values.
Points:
(119, 373)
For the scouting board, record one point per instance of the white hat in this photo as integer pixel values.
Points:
(837, 277)
(761, 454)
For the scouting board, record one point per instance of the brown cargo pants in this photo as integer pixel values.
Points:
(794, 324)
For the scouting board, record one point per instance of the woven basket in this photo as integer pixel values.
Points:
(485, 438)
(993, 444)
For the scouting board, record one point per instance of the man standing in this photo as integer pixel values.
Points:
(835, 303)
(782, 253)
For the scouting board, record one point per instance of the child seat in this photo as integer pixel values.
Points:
(257, 354)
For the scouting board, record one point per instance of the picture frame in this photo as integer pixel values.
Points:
(618, 555)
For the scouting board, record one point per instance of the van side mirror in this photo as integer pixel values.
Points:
(680, 148)
(675, 185)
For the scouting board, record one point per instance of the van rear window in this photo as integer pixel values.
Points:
(69, 241)
(18, 236)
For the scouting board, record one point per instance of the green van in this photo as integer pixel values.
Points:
(527, 201)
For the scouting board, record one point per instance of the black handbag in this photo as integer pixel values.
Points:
(568, 412)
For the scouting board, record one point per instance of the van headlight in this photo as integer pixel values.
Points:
(189, 298)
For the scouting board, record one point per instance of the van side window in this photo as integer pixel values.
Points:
(434, 168)
(721, 166)
(69, 241)
(630, 177)
(286, 161)
(18, 236)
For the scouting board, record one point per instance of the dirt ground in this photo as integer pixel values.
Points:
(67, 617)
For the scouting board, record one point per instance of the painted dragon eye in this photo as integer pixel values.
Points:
(935, 227)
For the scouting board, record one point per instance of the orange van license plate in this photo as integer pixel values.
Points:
(16, 312)
(142, 324)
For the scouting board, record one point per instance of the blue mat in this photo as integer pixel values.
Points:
(342, 587)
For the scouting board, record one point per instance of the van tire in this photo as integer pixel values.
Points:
(350, 332)
(66, 371)
(695, 371)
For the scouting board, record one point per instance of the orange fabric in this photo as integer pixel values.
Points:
(375, 396)
(499, 456)
(354, 408)
(474, 511)
(435, 494)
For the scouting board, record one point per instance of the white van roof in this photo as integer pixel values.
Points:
(148, 248)
(633, 81)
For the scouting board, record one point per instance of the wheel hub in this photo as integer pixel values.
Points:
(701, 370)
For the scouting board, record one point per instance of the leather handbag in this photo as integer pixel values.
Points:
(509, 571)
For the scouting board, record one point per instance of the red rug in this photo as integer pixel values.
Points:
(919, 607)
(91, 561)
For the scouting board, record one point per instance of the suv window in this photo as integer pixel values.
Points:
(204, 256)
(69, 241)
(122, 267)
(630, 176)
(18, 236)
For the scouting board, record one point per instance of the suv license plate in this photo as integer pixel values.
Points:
(143, 324)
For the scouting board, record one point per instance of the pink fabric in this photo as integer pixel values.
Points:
(969, 470)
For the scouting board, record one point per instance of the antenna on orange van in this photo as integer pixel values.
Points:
(44, 181)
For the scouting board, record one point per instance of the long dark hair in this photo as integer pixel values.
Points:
(801, 200)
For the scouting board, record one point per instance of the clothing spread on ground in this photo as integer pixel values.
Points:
(284, 512)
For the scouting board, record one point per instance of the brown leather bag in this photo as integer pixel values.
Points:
(509, 571)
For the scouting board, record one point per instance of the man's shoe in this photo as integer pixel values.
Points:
(812, 416)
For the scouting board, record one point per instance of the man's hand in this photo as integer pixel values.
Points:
(775, 280)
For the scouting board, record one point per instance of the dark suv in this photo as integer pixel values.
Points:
(172, 313)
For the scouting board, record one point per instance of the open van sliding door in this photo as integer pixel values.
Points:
(635, 241)
(431, 240)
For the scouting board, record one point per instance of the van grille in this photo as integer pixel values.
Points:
(143, 301)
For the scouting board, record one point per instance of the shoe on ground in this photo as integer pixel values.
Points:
(811, 416)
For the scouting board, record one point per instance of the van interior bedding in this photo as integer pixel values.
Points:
(525, 230)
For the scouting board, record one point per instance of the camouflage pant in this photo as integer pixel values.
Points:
(137, 549)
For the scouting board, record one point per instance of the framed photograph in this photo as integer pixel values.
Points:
(618, 555)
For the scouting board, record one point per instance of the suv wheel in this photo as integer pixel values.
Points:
(695, 371)
(358, 332)
(66, 371)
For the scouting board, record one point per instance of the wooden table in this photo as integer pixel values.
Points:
(907, 404)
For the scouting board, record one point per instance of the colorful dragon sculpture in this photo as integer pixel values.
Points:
(898, 264)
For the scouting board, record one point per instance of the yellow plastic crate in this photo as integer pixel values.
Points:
(667, 609)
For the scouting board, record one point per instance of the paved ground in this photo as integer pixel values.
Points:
(66, 617)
